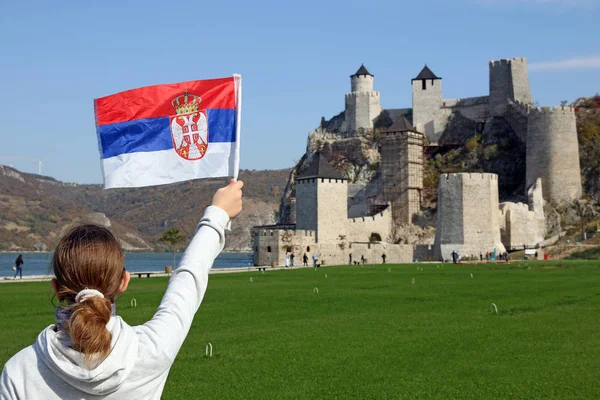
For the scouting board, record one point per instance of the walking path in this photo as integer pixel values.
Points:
(47, 278)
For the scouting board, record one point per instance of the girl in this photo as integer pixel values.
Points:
(90, 353)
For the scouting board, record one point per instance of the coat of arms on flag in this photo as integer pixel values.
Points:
(170, 133)
(189, 127)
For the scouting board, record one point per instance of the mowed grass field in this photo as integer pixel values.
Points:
(370, 332)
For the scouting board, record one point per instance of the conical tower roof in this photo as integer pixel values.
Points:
(426, 73)
(362, 71)
(320, 168)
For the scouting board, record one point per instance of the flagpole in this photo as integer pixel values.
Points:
(237, 78)
(238, 126)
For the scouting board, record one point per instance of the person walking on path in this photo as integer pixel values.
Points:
(350, 258)
(92, 353)
(292, 259)
(305, 260)
(315, 258)
(18, 265)
(362, 259)
(287, 260)
(383, 257)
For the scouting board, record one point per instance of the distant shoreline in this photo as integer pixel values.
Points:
(125, 251)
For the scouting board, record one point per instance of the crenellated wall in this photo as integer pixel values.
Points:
(362, 108)
(467, 215)
(509, 81)
(360, 229)
(553, 153)
(523, 225)
(271, 244)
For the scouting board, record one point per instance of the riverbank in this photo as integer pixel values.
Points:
(153, 274)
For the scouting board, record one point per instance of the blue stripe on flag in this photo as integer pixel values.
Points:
(146, 135)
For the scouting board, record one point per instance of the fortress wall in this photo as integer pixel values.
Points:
(306, 207)
(332, 213)
(520, 228)
(361, 110)
(361, 83)
(426, 107)
(509, 81)
(360, 229)
(500, 86)
(402, 173)
(475, 108)
(517, 118)
(468, 217)
(553, 153)
(280, 241)
(395, 253)
(520, 80)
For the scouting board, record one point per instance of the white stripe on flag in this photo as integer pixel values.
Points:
(166, 166)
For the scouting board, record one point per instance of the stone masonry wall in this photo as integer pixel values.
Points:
(332, 204)
(509, 81)
(402, 173)
(362, 108)
(475, 108)
(553, 153)
(520, 80)
(360, 229)
(468, 218)
(306, 204)
(426, 107)
(361, 83)
(279, 241)
(395, 253)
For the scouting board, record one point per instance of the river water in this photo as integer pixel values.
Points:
(39, 263)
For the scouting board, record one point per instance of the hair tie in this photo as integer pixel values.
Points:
(86, 294)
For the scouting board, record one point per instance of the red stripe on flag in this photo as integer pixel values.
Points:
(155, 101)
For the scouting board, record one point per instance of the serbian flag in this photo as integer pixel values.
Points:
(162, 134)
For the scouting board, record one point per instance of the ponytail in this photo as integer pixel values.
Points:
(87, 327)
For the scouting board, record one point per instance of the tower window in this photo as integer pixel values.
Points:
(424, 84)
(268, 249)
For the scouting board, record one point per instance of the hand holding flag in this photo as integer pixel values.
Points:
(229, 198)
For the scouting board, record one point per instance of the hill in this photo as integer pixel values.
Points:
(35, 210)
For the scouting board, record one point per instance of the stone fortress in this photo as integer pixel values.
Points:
(323, 213)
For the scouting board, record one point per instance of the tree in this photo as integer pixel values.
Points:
(172, 237)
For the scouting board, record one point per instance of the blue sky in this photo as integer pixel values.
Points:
(295, 59)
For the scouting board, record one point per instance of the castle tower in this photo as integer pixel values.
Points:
(402, 170)
(321, 200)
(363, 104)
(553, 153)
(426, 102)
(509, 81)
(467, 215)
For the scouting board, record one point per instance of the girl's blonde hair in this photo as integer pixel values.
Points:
(89, 256)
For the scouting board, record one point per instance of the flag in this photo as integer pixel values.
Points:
(162, 134)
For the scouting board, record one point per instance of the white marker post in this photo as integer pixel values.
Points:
(209, 350)
(493, 308)
(133, 303)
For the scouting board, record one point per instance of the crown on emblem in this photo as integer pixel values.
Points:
(183, 105)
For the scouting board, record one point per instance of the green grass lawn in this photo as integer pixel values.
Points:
(370, 333)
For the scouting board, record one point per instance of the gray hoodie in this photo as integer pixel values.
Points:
(141, 356)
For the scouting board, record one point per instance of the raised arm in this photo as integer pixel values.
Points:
(167, 330)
